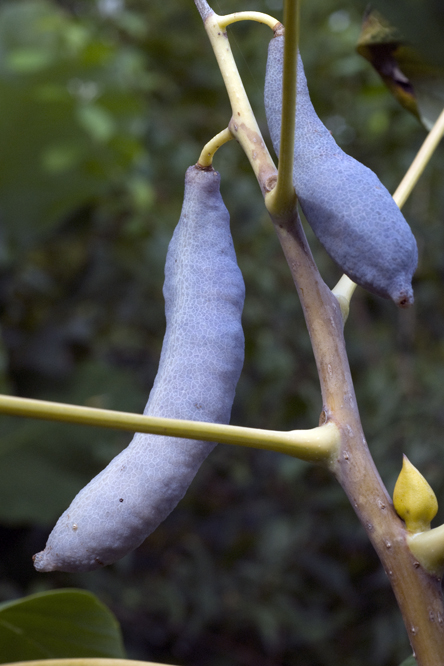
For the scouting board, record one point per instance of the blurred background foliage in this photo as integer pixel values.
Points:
(104, 104)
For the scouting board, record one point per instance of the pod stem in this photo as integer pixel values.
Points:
(258, 17)
(344, 291)
(283, 196)
(315, 445)
(210, 148)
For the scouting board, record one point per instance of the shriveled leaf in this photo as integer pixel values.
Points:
(420, 22)
(416, 83)
(58, 624)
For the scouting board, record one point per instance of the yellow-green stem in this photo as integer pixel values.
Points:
(316, 445)
(243, 124)
(210, 148)
(258, 17)
(283, 197)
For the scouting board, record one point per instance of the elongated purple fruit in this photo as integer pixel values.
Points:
(200, 364)
(348, 208)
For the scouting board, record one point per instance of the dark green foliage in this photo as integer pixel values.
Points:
(263, 562)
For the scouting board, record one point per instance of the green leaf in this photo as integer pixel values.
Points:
(58, 624)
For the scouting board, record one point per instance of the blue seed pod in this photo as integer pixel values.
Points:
(201, 361)
(350, 211)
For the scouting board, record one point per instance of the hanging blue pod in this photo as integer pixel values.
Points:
(200, 364)
(349, 209)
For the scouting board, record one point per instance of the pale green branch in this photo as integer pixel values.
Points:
(282, 199)
(316, 445)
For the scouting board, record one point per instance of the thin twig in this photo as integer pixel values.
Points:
(258, 17)
(210, 148)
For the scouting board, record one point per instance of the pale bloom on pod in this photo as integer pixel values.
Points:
(349, 209)
(201, 361)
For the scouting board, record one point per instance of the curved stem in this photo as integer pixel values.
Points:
(210, 148)
(316, 445)
(259, 17)
(243, 124)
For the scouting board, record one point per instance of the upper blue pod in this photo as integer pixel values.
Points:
(349, 209)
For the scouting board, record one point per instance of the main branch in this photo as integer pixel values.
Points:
(418, 593)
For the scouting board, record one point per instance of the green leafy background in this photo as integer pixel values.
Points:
(103, 105)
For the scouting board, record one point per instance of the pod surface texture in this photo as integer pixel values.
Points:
(351, 212)
(200, 364)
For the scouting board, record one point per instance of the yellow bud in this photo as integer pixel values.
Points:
(413, 499)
